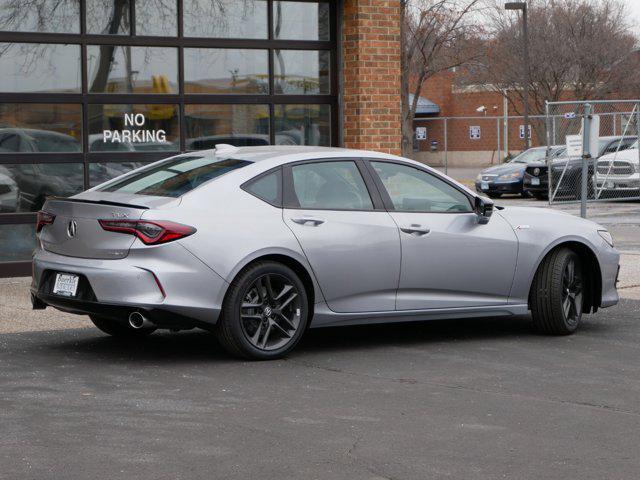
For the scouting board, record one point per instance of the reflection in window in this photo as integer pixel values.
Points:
(302, 72)
(414, 190)
(304, 124)
(117, 69)
(157, 18)
(108, 17)
(55, 16)
(175, 176)
(102, 172)
(18, 241)
(301, 20)
(37, 67)
(40, 127)
(225, 70)
(27, 185)
(225, 18)
(330, 185)
(239, 125)
(134, 128)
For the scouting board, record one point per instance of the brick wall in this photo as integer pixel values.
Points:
(372, 69)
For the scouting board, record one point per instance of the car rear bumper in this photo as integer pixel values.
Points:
(165, 281)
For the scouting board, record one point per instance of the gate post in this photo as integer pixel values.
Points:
(586, 156)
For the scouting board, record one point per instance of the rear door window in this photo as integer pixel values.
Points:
(174, 177)
(330, 186)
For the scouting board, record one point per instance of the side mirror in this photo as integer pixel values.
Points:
(484, 210)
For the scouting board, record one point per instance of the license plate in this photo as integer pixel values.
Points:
(484, 185)
(66, 284)
(535, 181)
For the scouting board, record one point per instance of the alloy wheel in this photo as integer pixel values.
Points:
(270, 312)
(572, 292)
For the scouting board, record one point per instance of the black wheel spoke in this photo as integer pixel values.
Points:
(269, 319)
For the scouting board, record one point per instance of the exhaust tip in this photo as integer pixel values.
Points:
(138, 321)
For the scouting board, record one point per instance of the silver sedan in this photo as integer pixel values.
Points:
(257, 244)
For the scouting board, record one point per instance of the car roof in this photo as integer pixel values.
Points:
(290, 153)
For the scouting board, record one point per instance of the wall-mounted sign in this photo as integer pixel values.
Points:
(136, 134)
(475, 132)
(522, 132)
(421, 133)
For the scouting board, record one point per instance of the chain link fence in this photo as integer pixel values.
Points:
(600, 160)
(477, 141)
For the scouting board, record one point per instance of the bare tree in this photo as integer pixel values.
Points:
(437, 35)
(580, 49)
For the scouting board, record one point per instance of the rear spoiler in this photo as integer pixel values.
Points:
(98, 202)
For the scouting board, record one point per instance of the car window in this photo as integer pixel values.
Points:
(174, 177)
(330, 186)
(414, 190)
(10, 143)
(266, 187)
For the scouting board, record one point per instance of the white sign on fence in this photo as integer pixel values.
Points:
(475, 133)
(575, 146)
(522, 132)
(421, 133)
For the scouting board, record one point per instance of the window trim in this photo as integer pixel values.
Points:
(290, 199)
(279, 203)
(387, 198)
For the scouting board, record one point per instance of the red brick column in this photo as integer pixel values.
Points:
(371, 68)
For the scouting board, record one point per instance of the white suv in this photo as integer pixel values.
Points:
(618, 172)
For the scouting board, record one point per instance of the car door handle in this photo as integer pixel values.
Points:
(308, 221)
(416, 230)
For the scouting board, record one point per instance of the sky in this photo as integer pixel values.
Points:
(634, 6)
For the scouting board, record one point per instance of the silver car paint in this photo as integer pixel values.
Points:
(235, 228)
(459, 263)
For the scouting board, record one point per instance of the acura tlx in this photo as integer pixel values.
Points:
(257, 244)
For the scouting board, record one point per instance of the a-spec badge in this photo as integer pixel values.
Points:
(523, 227)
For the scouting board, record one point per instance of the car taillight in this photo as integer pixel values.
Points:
(44, 218)
(150, 232)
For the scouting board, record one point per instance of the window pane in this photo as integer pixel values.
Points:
(301, 20)
(303, 124)
(415, 190)
(18, 242)
(27, 185)
(108, 17)
(157, 18)
(267, 188)
(102, 172)
(174, 177)
(225, 18)
(38, 67)
(302, 72)
(114, 69)
(134, 128)
(224, 70)
(331, 186)
(56, 16)
(240, 125)
(40, 127)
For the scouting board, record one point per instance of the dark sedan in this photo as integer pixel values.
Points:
(507, 178)
(567, 172)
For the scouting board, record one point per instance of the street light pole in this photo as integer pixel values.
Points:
(525, 34)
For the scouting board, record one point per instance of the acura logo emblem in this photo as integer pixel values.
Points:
(72, 228)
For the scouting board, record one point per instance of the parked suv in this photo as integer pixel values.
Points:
(618, 173)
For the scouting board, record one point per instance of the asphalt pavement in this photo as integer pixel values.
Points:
(469, 399)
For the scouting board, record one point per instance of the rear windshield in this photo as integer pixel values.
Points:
(174, 177)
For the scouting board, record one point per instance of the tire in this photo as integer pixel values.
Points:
(541, 196)
(120, 329)
(526, 194)
(557, 294)
(494, 195)
(265, 312)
